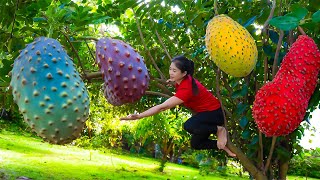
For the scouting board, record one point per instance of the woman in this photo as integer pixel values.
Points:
(208, 116)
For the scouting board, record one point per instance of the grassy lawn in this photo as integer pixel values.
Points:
(24, 155)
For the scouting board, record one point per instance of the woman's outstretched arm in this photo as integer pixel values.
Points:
(168, 104)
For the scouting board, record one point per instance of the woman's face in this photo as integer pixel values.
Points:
(175, 74)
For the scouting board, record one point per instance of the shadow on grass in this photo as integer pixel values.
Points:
(22, 146)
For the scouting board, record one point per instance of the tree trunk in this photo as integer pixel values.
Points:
(283, 170)
(247, 163)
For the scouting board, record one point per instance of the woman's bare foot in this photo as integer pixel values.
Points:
(222, 137)
(230, 153)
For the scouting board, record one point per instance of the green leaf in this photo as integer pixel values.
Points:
(236, 94)
(274, 36)
(39, 19)
(255, 139)
(245, 134)
(199, 157)
(4, 70)
(169, 25)
(283, 154)
(141, 8)
(241, 108)
(316, 17)
(99, 20)
(244, 121)
(240, 93)
(299, 13)
(244, 90)
(4, 84)
(250, 21)
(285, 23)
(298, 133)
(268, 50)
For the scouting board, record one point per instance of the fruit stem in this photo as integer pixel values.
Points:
(215, 5)
(301, 30)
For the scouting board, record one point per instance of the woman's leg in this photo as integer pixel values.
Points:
(202, 125)
(205, 122)
(222, 137)
(202, 142)
(199, 142)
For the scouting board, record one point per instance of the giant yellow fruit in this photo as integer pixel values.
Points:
(231, 46)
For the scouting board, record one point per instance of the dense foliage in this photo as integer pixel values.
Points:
(306, 164)
(160, 30)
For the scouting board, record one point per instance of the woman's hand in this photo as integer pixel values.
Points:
(170, 82)
(131, 117)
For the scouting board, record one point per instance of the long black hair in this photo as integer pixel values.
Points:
(184, 64)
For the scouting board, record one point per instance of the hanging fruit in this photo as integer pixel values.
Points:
(280, 105)
(124, 72)
(231, 46)
(49, 91)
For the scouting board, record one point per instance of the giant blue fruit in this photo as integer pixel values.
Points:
(49, 91)
(124, 71)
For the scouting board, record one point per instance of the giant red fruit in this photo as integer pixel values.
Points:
(280, 105)
(124, 72)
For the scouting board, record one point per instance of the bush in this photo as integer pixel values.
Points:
(206, 160)
(307, 164)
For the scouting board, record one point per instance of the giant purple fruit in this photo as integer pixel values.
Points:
(124, 71)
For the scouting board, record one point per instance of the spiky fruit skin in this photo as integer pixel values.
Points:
(124, 72)
(280, 105)
(231, 46)
(49, 91)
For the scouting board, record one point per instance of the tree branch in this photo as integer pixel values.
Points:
(246, 162)
(274, 138)
(290, 39)
(76, 53)
(301, 30)
(280, 8)
(266, 69)
(145, 46)
(88, 38)
(157, 94)
(226, 85)
(163, 81)
(276, 56)
(218, 72)
(93, 75)
(283, 170)
(227, 111)
(93, 57)
(162, 44)
(247, 81)
(164, 88)
(261, 150)
(265, 37)
(266, 23)
(224, 109)
(14, 19)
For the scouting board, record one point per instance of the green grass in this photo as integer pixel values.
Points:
(25, 155)
(22, 154)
